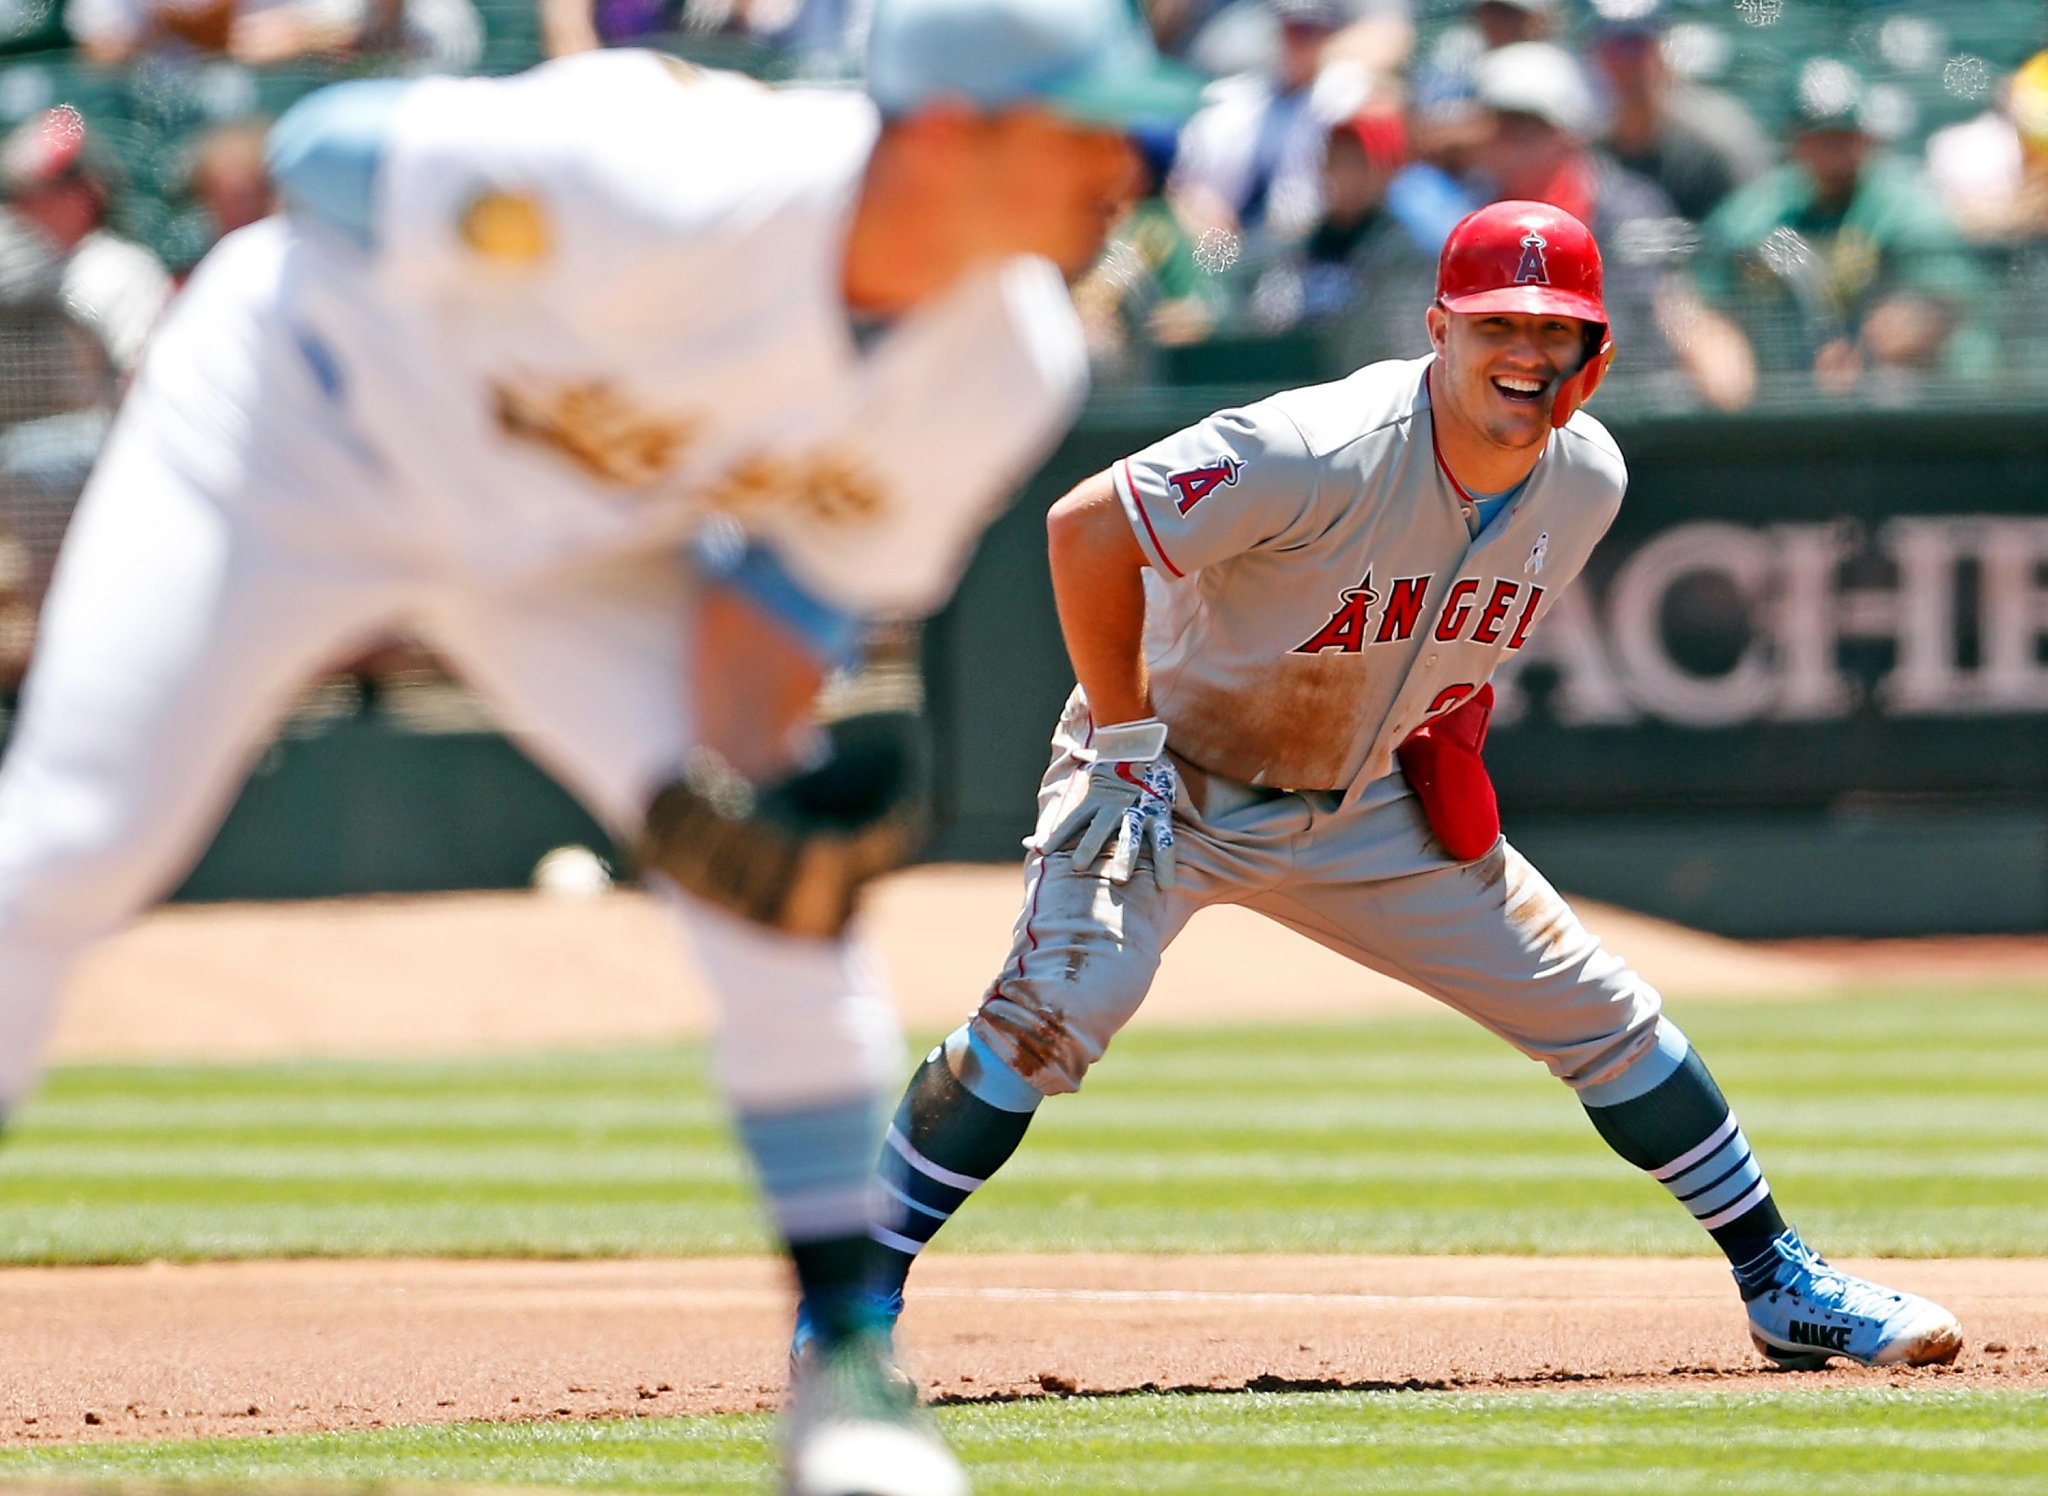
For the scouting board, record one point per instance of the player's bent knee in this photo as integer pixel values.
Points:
(1040, 1045)
(986, 1075)
(1631, 1061)
(1645, 1067)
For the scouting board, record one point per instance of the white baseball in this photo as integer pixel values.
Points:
(573, 873)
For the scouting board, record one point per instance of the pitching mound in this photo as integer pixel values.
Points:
(160, 1351)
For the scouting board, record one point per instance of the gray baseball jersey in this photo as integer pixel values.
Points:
(1319, 588)
(1316, 592)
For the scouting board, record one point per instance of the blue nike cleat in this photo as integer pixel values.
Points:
(1811, 1312)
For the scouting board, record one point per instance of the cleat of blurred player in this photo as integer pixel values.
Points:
(640, 392)
(883, 1310)
(1284, 621)
(855, 1429)
(1802, 1312)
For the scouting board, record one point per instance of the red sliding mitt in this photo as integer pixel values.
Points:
(1443, 765)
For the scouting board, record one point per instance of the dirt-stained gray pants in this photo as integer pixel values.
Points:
(1490, 938)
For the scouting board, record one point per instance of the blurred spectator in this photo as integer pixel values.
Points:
(57, 394)
(113, 32)
(803, 36)
(1175, 23)
(420, 35)
(1504, 23)
(570, 26)
(53, 178)
(1992, 171)
(228, 177)
(1250, 159)
(1543, 118)
(1696, 143)
(1447, 125)
(1841, 261)
(423, 36)
(1150, 285)
(1366, 271)
(1243, 36)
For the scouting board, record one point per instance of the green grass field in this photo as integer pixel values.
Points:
(1893, 1122)
(1290, 1444)
(1896, 1124)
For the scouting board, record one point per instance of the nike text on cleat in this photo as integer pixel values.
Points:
(854, 1427)
(1812, 1312)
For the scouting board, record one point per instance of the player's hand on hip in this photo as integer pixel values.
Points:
(1127, 805)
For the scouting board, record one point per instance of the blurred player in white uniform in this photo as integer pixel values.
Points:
(1283, 620)
(639, 391)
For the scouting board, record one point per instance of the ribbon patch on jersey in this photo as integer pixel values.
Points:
(1532, 270)
(1196, 484)
(1534, 565)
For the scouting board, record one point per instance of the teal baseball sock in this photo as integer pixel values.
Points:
(944, 1144)
(1668, 1118)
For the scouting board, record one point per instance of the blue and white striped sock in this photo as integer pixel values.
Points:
(949, 1136)
(817, 1168)
(1665, 1115)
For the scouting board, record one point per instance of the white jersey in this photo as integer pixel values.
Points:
(606, 300)
(1316, 592)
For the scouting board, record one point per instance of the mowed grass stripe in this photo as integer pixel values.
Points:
(1889, 1124)
(574, 1165)
(1878, 1441)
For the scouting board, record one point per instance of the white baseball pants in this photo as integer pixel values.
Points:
(236, 539)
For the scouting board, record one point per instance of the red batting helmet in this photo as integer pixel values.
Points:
(1532, 258)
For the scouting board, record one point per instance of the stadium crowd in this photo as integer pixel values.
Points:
(1800, 201)
(1795, 195)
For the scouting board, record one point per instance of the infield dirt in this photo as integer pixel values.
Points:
(243, 1348)
(238, 1348)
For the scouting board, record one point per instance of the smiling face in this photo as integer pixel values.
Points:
(1499, 372)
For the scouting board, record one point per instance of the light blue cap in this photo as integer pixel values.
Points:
(1091, 61)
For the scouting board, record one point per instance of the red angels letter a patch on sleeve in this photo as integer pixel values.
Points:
(1196, 484)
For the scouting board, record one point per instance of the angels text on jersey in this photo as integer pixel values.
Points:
(1360, 620)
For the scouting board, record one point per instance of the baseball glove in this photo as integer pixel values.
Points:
(794, 855)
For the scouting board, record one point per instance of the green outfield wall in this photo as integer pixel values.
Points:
(1803, 688)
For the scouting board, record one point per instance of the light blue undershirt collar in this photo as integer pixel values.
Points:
(1490, 505)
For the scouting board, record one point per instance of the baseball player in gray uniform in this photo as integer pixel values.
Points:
(1283, 620)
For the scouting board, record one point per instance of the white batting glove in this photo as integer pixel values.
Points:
(1129, 797)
